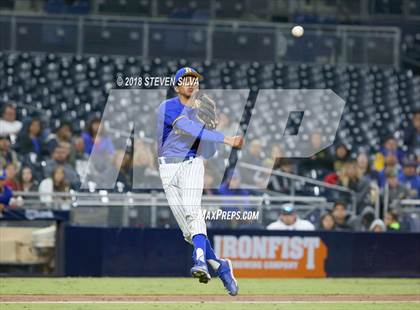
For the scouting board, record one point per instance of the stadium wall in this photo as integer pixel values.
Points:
(93, 251)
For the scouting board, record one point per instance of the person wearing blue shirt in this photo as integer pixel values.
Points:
(93, 138)
(5, 192)
(409, 177)
(183, 141)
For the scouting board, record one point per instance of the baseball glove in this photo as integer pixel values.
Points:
(206, 109)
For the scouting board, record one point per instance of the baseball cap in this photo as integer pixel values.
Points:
(186, 71)
(287, 209)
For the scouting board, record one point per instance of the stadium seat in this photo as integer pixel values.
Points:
(76, 87)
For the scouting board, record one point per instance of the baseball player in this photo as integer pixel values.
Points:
(186, 135)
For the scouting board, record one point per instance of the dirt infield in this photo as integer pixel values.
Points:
(208, 298)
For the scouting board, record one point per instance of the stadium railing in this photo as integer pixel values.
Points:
(125, 202)
(305, 180)
(194, 39)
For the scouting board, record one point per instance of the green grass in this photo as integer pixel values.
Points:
(187, 286)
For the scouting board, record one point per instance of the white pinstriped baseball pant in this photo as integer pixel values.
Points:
(183, 184)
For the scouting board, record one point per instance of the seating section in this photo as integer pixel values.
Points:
(75, 88)
(411, 49)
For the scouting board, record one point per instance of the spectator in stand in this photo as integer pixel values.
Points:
(393, 190)
(7, 155)
(390, 147)
(364, 168)
(145, 172)
(364, 220)
(276, 154)
(412, 134)
(288, 220)
(232, 187)
(391, 163)
(276, 162)
(343, 220)
(30, 139)
(391, 221)
(11, 177)
(5, 192)
(80, 158)
(377, 226)
(251, 207)
(364, 171)
(409, 177)
(122, 163)
(212, 178)
(254, 156)
(342, 156)
(26, 182)
(208, 188)
(8, 123)
(63, 133)
(93, 137)
(79, 149)
(225, 126)
(359, 184)
(321, 163)
(278, 183)
(57, 183)
(327, 222)
(60, 158)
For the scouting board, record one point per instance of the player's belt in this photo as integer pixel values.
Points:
(173, 160)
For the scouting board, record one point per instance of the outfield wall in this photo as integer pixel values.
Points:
(92, 251)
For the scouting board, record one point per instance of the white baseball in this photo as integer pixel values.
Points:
(297, 31)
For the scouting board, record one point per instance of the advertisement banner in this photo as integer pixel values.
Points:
(273, 256)
(99, 251)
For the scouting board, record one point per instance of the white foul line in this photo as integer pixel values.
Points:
(214, 302)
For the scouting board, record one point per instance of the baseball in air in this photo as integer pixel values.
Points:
(297, 31)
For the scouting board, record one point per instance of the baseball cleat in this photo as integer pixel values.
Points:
(201, 272)
(204, 279)
(225, 273)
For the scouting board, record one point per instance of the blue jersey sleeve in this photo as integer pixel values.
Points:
(5, 196)
(197, 129)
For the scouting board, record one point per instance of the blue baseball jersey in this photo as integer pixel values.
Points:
(195, 139)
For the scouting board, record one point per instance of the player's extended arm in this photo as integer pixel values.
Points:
(196, 129)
